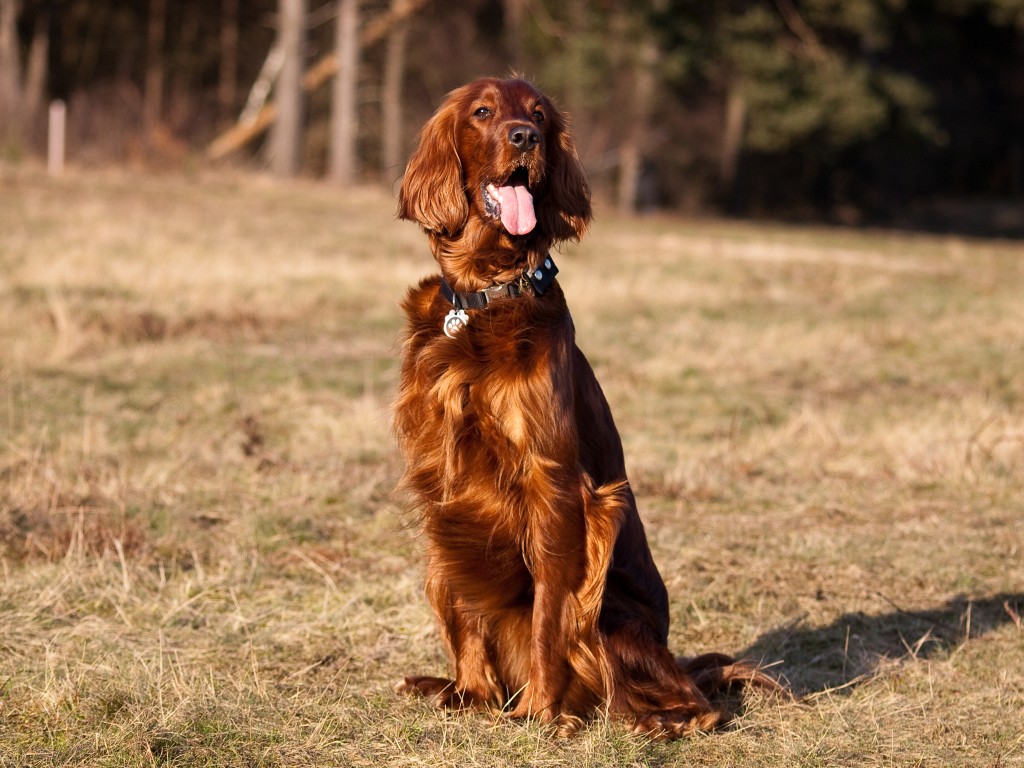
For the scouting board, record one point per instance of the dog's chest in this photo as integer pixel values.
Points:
(498, 389)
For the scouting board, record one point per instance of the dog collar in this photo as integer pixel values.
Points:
(536, 281)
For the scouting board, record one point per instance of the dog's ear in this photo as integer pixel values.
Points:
(432, 192)
(566, 210)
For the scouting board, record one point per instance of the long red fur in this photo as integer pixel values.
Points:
(538, 568)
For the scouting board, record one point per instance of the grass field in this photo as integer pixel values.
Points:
(203, 561)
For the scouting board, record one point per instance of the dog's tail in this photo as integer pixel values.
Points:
(715, 673)
(664, 697)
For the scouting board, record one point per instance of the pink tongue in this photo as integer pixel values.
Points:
(517, 209)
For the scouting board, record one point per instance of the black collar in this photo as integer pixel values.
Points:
(533, 281)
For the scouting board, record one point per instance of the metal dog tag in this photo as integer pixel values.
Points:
(455, 321)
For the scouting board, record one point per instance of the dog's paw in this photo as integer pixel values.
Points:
(550, 715)
(673, 723)
(444, 693)
(441, 691)
(565, 726)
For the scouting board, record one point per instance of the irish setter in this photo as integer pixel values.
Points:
(538, 567)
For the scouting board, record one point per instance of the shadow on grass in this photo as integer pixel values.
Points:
(855, 646)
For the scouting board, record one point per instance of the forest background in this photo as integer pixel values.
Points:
(899, 112)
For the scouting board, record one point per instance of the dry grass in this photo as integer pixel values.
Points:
(202, 562)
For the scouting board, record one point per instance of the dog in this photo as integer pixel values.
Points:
(538, 568)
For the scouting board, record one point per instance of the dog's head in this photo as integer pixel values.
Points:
(498, 151)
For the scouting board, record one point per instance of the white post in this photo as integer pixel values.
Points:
(56, 138)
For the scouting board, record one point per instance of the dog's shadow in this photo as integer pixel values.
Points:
(856, 646)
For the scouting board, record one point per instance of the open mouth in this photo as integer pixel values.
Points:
(512, 203)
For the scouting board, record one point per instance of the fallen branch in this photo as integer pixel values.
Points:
(243, 132)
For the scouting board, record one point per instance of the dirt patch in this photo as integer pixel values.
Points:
(142, 326)
(68, 527)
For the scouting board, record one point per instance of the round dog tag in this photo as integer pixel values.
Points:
(455, 321)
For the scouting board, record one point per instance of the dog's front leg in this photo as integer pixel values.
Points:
(557, 561)
(550, 671)
(571, 553)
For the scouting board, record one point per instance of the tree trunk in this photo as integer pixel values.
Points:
(344, 121)
(391, 99)
(11, 127)
(184, 73)
(227, 76)
(631, 151)
(153, 96)
(515, 14)
(732, 141)
(286, 136)
(576, 11)
(35, 71)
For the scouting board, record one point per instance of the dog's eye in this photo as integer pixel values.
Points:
(538, 117)
(482, 112)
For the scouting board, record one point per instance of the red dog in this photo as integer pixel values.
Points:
(538, 568)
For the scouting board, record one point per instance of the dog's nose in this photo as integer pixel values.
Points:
(523, 137)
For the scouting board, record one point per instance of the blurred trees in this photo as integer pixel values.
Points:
(286, 133)
(22, 73)
(392, 77)
(846, 109)
(814, 81)
(10, 69)
(344, 119)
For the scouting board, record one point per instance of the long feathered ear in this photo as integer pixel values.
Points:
(566, 210)
(432, 192)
